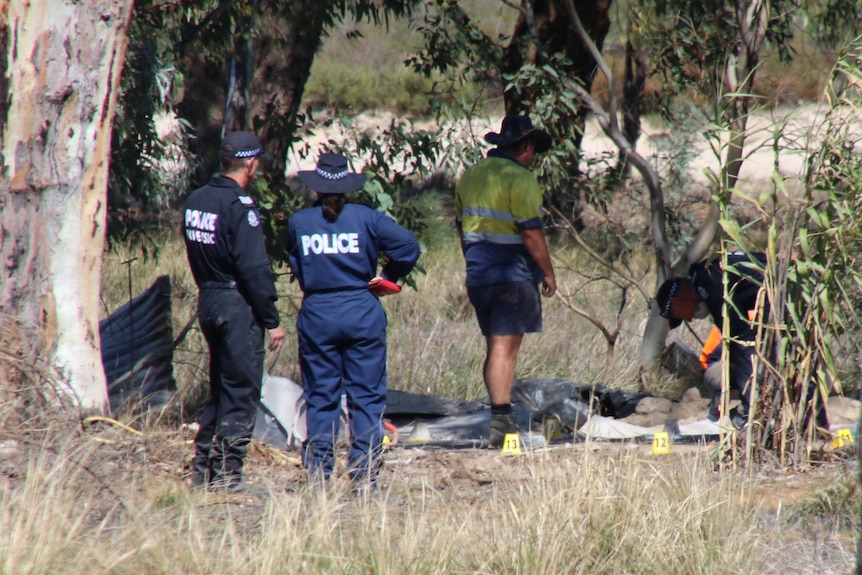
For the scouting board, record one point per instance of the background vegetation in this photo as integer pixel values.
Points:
(413, 168)
(77, 496)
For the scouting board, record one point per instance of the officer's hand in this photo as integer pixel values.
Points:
(276, 338)
(549, 286)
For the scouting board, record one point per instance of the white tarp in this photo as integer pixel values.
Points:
(280, 419)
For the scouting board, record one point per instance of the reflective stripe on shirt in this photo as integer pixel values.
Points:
(486, 213)
(507, 239)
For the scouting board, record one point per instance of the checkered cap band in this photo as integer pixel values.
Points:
(332, 176)
(665, 311)
(248, 153)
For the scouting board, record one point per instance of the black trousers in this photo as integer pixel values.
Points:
(235, 341)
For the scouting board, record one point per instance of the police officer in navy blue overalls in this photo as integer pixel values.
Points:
(333, 248)
(226, 252)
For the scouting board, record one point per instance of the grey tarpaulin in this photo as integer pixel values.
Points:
(402, 404)
(137, 349)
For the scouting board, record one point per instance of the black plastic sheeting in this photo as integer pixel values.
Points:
(542, 398)
(137, 349)
(402, 404)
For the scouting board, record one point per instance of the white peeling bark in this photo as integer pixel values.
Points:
(61, 63)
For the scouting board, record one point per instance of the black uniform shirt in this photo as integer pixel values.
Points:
(224, 244)
(744, 278)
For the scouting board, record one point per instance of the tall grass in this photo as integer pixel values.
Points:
(567, 511)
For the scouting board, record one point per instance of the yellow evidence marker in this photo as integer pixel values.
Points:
(512, 444)
(553, 430)
(660, 443)
(842, 437)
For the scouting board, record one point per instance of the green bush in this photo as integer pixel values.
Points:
(357, 89)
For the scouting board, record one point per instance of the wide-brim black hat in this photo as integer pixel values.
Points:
(332, 176)
(664, 298)
(242, 145)
(517, 128)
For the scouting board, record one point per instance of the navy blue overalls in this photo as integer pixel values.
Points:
(342, 327)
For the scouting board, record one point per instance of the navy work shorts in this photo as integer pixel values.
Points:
(507, 309)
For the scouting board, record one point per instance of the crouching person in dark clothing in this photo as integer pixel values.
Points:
(701, 295)
(226, 253)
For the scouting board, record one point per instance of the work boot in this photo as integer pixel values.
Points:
(201, 471)
(502, 424)
(739, 417)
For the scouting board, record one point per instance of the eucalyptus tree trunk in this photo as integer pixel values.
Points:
(293, 32)
(61, 64)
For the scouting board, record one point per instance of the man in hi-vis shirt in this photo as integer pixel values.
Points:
(498, 211)
(226, 252)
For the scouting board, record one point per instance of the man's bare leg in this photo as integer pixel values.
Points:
(499, 373)
(499, 369)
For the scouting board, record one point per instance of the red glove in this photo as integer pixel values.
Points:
(381, 287)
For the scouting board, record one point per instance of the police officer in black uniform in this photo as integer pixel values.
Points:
(702, 294)
(226, 252)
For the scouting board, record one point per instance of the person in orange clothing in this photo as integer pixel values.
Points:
(710, 364)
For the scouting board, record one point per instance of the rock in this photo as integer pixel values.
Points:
(691, 409)
(843, 410)
(651, 405)
(691, 394)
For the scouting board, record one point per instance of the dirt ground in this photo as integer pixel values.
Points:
(112, 458)
(802, 126)
(468, 474)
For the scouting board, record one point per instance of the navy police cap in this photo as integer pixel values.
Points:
(242, 145)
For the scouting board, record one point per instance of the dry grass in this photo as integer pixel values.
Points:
(107, 501)
(103, 499)
(83, 505)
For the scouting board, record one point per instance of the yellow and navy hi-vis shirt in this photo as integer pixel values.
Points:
(494, 200)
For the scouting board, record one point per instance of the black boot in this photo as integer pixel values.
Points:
(226, 466)
(739, 416)
(202, 474)
(502, 424)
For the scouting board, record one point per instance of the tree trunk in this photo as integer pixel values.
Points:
(284, 58)
(634, 86)
(62, 61)
(289, 35)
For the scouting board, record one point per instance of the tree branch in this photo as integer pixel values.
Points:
(595, 255)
